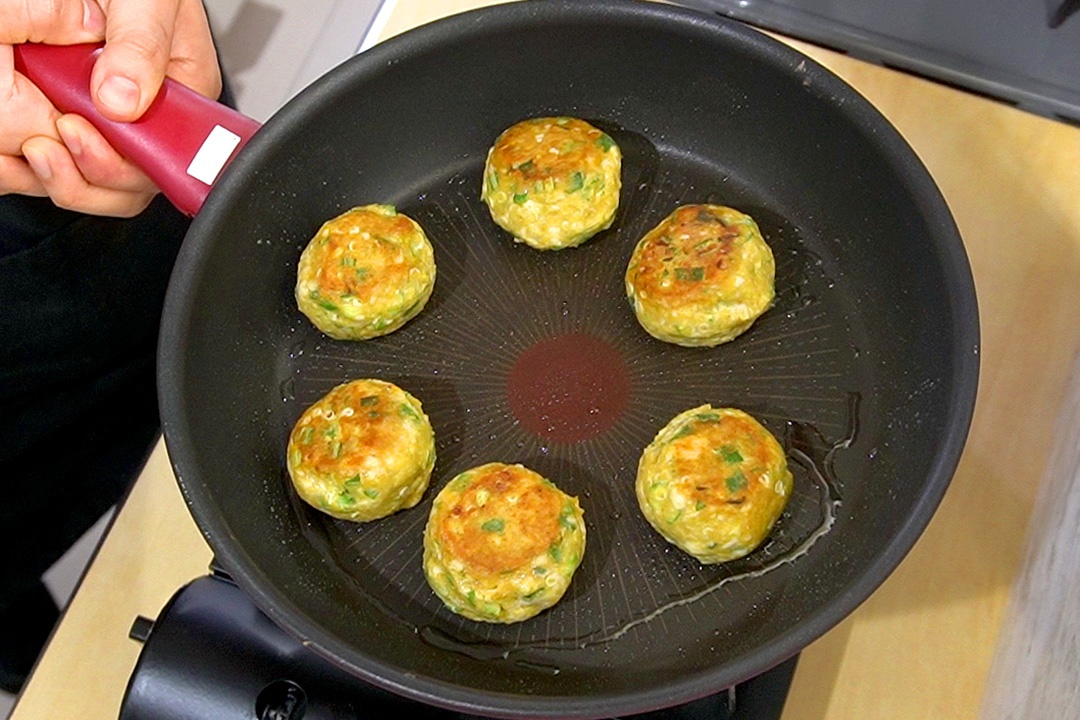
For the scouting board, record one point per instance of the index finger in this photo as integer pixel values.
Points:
(60, 22)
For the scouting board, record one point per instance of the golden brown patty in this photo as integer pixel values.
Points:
(365, 273)
(363, 451)
(552, 182)
(713, 482)
(701, 276)
(502, 543)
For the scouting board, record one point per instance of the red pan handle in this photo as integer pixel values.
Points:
(182, 142)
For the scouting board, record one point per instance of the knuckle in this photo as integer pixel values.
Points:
(69, 199)
(70, 192)
(119, 205)
(201, 75)
(42, 16)
(109, 170)
(212, 83)
(148, 43)
(137, 205)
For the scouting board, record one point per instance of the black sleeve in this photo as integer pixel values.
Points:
(80, 304)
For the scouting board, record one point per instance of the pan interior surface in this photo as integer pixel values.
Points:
(863, 367)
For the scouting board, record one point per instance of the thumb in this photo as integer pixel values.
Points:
(62, 22)
(131, 68)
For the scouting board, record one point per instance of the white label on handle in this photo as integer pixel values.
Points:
(215, 150)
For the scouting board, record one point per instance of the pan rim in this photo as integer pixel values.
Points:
(277, 605)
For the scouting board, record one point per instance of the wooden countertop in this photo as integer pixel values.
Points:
(921, 646)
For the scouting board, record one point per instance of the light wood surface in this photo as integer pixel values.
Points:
(151, 550)
(922, 645)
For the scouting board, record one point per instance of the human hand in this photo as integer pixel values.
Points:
(43, 152)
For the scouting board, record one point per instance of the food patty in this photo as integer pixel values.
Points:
(365, 273)
(713, 482)
(700, 277)
(552, 182)
(502, 543)
(363, 451)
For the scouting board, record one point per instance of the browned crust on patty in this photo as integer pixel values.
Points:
(527, 527)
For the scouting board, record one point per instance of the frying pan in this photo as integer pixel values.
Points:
(865, 367)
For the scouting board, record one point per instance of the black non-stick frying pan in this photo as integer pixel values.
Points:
(865, 367)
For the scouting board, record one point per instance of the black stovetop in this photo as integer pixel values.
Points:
(212, 654)
(1020, 52)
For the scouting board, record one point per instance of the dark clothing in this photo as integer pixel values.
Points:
(27, 624)
(80, 302)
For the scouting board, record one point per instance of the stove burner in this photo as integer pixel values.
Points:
(568, 388)
(212, 654)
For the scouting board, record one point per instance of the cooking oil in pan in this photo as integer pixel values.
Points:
(806, 446)
(537, 358)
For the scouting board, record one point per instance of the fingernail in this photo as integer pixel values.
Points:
(93, 18)
(119, 94)
(39, 163)
(70, 137)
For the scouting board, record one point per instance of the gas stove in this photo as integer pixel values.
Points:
(212, 654)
